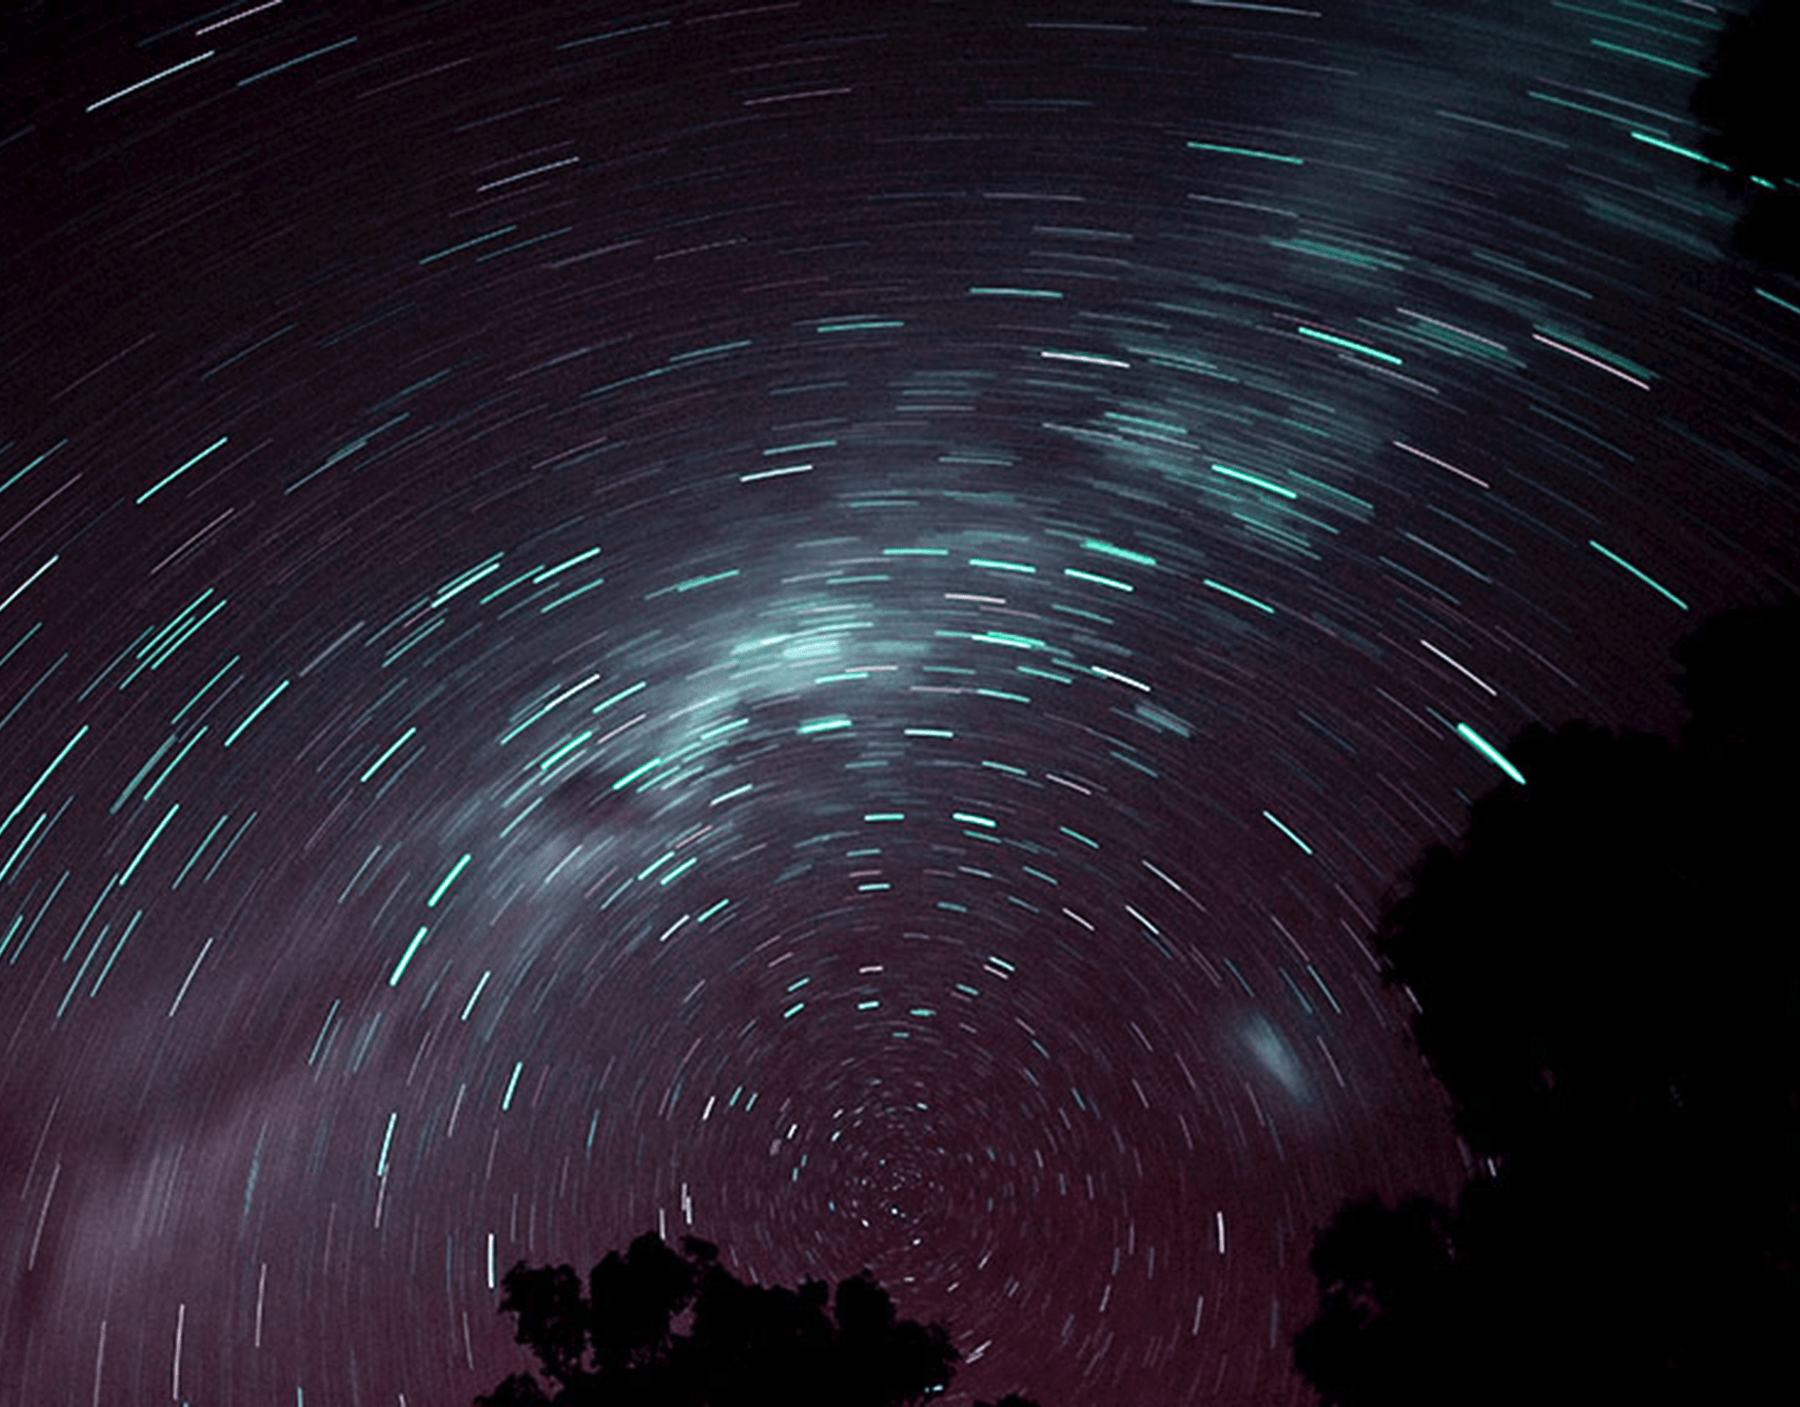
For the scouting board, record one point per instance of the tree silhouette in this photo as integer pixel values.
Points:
(623, 1344)
(1748, 105)
(1605, 973)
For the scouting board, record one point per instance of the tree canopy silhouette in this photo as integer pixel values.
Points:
(1750, 110)
(622, 1343)
(1604, 973)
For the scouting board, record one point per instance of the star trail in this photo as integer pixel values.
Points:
(822, 624)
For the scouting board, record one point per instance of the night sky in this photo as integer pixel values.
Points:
(820, 623)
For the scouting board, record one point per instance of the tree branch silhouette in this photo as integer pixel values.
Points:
(1605, 975)
(1747, 107)
(657, 1328)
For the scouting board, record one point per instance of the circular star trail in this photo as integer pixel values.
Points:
(816, 623)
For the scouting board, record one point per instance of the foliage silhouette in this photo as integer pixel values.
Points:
(623, 1344)
(1605, 976)
(1747, 104)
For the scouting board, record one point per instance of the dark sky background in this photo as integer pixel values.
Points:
(816, 622)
